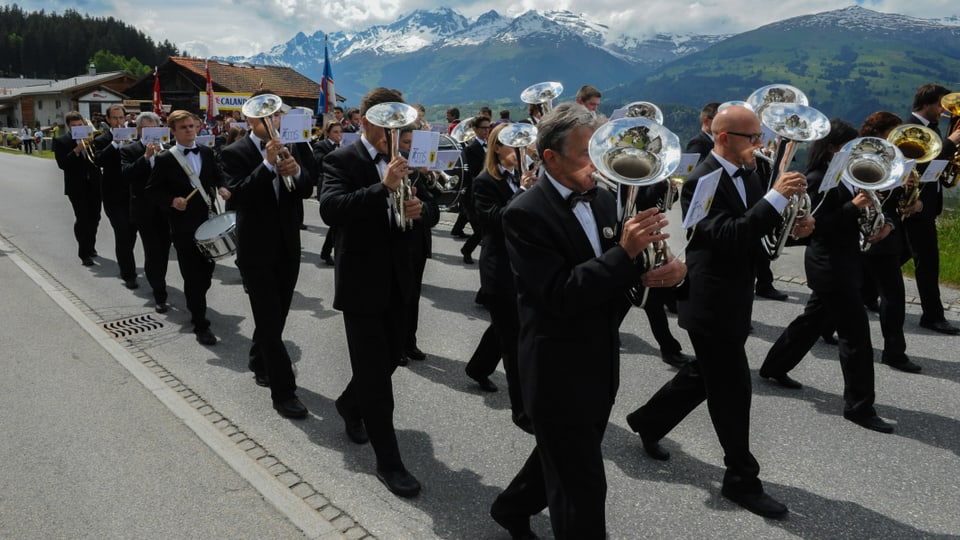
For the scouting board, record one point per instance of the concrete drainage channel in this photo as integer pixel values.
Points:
(313, 513)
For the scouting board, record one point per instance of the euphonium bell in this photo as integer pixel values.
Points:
(920, 144)
(630, 153)
(765, 96)
(644, 109)
(542, 94)
(874, 164)
(264, 107)
(394, 116)
(519, 136)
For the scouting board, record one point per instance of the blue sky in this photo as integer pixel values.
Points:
(244, 27)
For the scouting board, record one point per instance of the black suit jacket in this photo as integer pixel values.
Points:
(701, 144)
(168, 181)
(473, 155)
(373, 259)
(571, 304)
(421, 238)
(832, 259)
(135, 169)
(115, 190)
(79, 175)
(931, 193)
(490, 199)
(268, 227)
(723, 253)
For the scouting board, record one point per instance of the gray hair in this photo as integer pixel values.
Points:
(147, 115)
(556, 125)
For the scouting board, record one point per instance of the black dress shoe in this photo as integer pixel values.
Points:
(354, 426)
(458, 234)
(327, 259)
(485, 383)
(771, 293)
(654, 450)
(414, 353)
(86, 261)
(829, 339)
(758, 503)
(784, 380)
(940, 326)
(131, 284)
(873, 422)
(522, 421)
(676, 359)
(291, 408)
(401, 483)
(161, 307)
(303, 226)
(903, 364)
(517, 525)
(467, 259)
(872, 305)
(403, 360)
(206, 337)
(262, 379)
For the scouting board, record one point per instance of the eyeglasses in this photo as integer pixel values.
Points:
(475, 128)
(754, 137)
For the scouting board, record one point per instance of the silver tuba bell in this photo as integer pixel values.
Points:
(393, 116)
(630, 153)
(518, 136)
(542, 94)
(873, 165)
(263, 107)
(644, 109)
(793, 123)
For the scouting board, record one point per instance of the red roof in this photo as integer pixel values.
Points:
(248, 78)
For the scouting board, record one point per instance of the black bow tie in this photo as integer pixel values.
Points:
(741, 172)
(194, 150)
(587, 197)
(379, 157)
(263, 145)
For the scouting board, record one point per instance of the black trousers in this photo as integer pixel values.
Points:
(657, 317)
(412, 317)
(844, 309)
(565, 473)
(483, 362)
(197, 272)
(125, 237)
(721, 376)
(922, 238)
(86, 212)
(270, 289)
(155, 234)
(374, 344)
(884, 271)
(329, 241)
(764, 274)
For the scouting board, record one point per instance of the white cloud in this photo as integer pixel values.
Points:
(244, 27)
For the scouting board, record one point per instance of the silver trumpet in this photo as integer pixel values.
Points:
(793, 123)
(264, 107)
(393, 116)
(874, 164)
(630, 153)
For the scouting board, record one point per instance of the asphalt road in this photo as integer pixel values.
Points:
(839, 480)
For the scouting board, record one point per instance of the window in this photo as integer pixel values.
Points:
(58, 103)
(40, 104)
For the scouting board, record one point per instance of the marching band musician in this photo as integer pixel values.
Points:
(268, 247)
(170, 187)
(373, 282)
(834, 269)
(723, 252)
(921, 228)
(136, 164)
(472, 155)
(81, 184)
(116, 196)
(571, 278)
(498, 184)
(332, 135)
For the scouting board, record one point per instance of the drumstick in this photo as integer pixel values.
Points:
(192, 193)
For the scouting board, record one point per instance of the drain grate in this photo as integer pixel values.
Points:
(131, 326)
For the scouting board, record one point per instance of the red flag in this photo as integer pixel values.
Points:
(211, 103)
(156, 91)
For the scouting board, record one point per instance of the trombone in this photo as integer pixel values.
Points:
(394, 116)
(630, 153)
(264, 107)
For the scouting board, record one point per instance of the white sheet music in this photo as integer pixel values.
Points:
(933, 171)
(294, 128)
(423, 149)
(155, 135)
(702, 198)
(831, 178)
(80, 132)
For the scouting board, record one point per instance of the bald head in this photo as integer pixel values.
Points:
(734, 118)
(733, 130)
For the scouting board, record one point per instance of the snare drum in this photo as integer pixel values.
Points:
(217, 236)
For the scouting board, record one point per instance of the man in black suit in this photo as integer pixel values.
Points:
(268, 247)
(473, 155)
(571, 277)
(373, 282)
(81, 184)
(136, 164)
(722, 253)
(171, 188)
(332, 135)
(702, 142)
(116, 197)
(921, 228)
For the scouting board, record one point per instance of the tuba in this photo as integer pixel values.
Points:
(951, 174)
(463, 131)
(264, 107)
(630, 153)
(920, 144)
(644, 109)
(519, 136)
(542, 94)
(873, 165)
(793, 123)
(393, 116)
